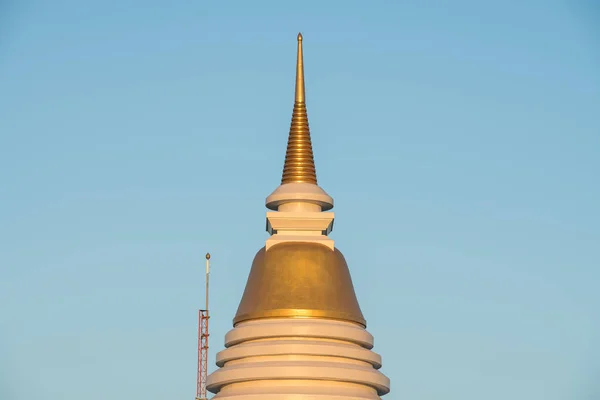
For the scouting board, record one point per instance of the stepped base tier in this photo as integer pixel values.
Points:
(298, 359)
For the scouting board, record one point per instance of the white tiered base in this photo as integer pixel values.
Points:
(298, 359)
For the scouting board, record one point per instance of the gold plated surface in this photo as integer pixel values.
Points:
(299, 279)
(299, 163)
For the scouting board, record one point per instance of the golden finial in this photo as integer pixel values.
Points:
(299, 166)
(208, 256)
(300, 73)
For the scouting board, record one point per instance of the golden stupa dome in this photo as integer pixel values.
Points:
(299, 279)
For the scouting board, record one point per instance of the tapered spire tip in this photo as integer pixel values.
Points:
(299, 166)
(300, 72)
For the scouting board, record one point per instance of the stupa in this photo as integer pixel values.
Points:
(299, 332)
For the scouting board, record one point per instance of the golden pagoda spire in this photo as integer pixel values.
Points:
(299, 166)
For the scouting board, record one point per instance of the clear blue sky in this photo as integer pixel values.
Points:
(460, 141)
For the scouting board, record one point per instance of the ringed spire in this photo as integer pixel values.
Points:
(299, 166)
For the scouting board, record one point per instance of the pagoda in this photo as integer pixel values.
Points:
(299, 332)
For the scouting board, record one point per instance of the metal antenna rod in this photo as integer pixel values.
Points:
(207, 276)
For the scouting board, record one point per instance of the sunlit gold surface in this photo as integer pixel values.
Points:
(298, 279)
(299, 161)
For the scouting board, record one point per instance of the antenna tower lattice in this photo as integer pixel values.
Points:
(203, 317)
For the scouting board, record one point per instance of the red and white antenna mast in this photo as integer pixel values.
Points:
(203, 343)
